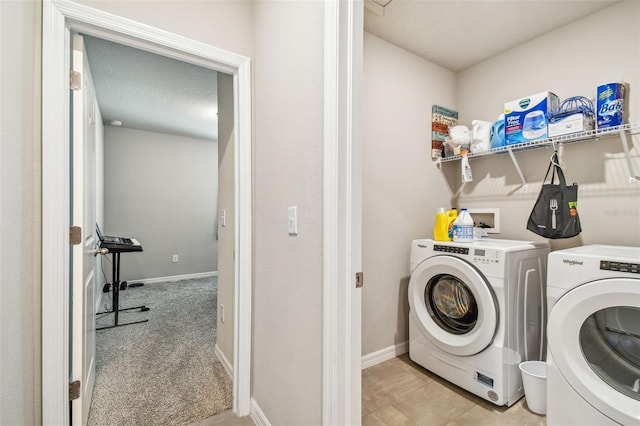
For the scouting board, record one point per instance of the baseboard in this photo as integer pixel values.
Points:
(177, 277)
(257, 415)
(224, 361)
(382, 355)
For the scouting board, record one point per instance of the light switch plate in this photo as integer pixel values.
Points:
(293, 220)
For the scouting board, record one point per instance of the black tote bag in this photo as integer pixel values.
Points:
(555, 213)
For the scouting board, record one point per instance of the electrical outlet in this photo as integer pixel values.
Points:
(222, 313)
(176, 258)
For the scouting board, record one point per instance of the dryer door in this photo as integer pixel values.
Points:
(594, 338)
(453, 305)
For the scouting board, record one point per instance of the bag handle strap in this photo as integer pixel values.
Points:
(556, 170)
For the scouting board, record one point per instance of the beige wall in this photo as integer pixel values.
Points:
(20, 213)
(226, 24)
(226, 234)
(288, 122)
(601, 48)
(401, 187)
(573, 60)
(162, 190)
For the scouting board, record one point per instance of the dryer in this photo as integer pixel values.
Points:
(476, 311)
(593, 357)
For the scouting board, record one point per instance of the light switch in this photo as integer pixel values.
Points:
(293, 220)
(223, 217)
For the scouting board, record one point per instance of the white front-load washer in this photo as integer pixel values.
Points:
(593, 352)
(476, 311)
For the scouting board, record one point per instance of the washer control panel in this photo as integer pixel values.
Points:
(485, 257)
(451, 249)
(478, 256)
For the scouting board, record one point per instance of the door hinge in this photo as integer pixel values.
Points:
(359, 279)
(74, 390)
(75, 235)
(75, 80)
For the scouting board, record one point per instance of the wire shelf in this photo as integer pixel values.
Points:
(630, 128)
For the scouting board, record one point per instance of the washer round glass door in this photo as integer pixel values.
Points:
(594, 339)
(453, 305)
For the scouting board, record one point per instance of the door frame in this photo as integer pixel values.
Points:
(59, 18)
(342, 213)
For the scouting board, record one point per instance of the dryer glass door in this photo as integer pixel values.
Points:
(593, 341)
(610, 342)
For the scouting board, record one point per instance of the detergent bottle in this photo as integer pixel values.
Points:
(441, 228)
(463, 227)
(452, 215)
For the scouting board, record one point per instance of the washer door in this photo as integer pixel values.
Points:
(594, 338)
(453, 305)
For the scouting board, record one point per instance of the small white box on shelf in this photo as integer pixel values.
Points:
(572, 123)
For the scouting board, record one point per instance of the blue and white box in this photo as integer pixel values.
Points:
(610, 104)
(526, 119)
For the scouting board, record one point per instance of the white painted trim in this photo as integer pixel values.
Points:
(224, 361)
(59, 16)
(258, 415)
(55, 218)
(384, 354)
(341, 353)
(243, 199)
(330, 219)
(172, 278)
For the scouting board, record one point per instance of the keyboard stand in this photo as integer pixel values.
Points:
(115, 286)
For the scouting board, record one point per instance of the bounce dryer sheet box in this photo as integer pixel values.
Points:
(610, 103)
(525, 119)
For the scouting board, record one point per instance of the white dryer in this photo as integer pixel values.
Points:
(476, 311)
(593, 358)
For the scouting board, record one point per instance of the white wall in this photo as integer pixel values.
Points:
(20, 213)
(401, 187)
(162, 190)
(601, 48)
(288, 129)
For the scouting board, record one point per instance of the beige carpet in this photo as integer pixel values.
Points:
(163, 372)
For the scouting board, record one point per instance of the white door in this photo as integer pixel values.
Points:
(594, 338)
(83, 216)
(453, 305)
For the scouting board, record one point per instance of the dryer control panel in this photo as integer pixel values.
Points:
(607, 265)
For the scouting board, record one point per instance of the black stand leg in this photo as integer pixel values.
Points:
(115, 308)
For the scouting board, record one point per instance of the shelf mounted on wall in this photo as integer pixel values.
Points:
(623, 131)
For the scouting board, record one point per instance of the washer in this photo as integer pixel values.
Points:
(476, 311)
(593, 357)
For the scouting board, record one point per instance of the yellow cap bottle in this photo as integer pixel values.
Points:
(452, 215)
(440, 230)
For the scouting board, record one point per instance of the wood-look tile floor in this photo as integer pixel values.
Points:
(226, 418)
(400, 392)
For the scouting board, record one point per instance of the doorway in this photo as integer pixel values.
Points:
(163, 120)
(58, 21)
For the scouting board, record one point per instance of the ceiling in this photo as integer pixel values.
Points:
(147, 91)
(459, 33)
